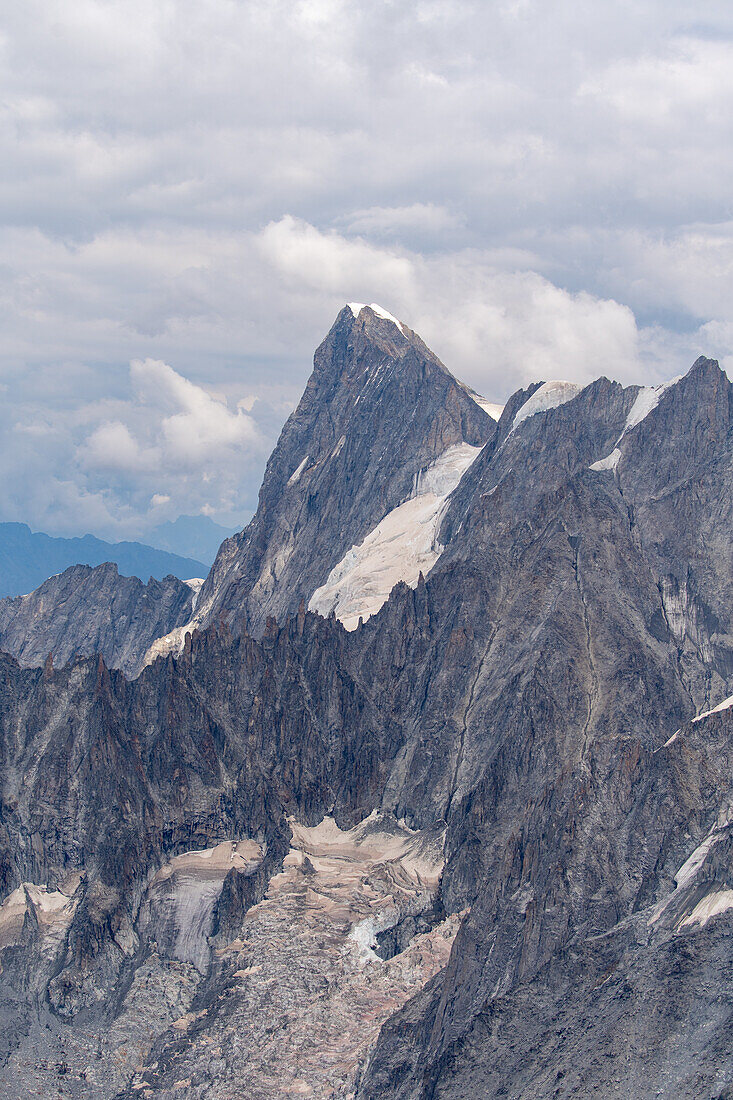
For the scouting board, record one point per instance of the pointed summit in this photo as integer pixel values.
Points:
(378, 409)
(357, 308)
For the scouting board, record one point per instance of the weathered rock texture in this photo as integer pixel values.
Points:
(84, 611)
(378, 408)
(531, 703)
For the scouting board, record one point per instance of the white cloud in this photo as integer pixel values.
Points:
(112, 447)
(427, 219)
(504, 327)
(201, 428)
(204, 185)
(690, 76)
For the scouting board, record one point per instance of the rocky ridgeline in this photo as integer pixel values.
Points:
(524, 718)
(84, 611)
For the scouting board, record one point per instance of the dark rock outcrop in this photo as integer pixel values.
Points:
(84, 611)
(378, 408)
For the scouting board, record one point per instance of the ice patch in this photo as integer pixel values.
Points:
(548, 396)
(610, 462)
(716, 902)
(399, 548)
(183, 893)
(195, 584)
(688, 871)
(53, 909)
(357, 307)
(295, 476)
(646, 400)
(364, 934)
(490, 407)
(725, 705)
(687, 874)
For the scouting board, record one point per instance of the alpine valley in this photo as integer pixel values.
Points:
(426, 793)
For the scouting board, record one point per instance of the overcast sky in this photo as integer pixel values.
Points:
(191, 189)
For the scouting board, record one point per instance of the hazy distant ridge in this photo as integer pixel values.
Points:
(27, 558)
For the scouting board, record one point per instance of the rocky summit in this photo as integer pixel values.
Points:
(428, 793)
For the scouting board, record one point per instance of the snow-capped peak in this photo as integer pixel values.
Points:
(357, 307)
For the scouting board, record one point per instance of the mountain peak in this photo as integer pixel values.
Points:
(378, 411)
(357, 308)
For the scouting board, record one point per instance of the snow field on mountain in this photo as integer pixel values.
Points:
(490, 407)
(357, 307)
(400, 547)
(647, 399)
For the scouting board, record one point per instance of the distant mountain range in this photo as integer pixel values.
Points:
(193, 536)
(27, 558)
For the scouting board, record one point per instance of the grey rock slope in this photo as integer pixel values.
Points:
(84, 611)
(529, 707)
(378, 408)
(578, 667)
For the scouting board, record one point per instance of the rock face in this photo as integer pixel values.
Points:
(523, 745)
(84, 611)
(378, 410)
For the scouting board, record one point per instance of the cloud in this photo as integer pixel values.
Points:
(652, 90)
(505, 327)
(538, 189)
(202, 428)
(428, 221)
(178, 445)
(112, 447)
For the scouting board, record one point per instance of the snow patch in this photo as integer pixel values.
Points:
(716, 902)
(195, 584)
(610, 462)
(646, 400)
(548, 396)
(490, 407)
(688, 872)
(182, 896)
(53, 909)
(295, 476)
(400, 547)
(357, 307)
(725, 705)
(364, 935)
